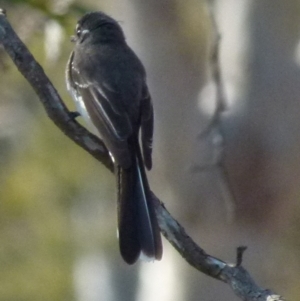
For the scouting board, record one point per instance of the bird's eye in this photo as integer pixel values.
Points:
(78, 30)
(81, 33)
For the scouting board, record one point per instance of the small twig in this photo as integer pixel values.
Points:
(214, 61)
(239, 255)
(235, 275)
(213, 130)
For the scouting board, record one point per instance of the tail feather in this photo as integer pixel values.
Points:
(138, 227)
(127, 217)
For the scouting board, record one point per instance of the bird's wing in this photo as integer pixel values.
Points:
(147, 121)
(103, 106)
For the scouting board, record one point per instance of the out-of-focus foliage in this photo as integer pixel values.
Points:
(41, 169)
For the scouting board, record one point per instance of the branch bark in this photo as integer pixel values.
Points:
(235, 275)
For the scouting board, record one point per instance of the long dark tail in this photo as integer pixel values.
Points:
(137, 223)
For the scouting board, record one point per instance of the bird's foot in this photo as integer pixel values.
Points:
(74, 115)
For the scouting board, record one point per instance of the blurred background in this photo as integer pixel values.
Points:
(57, 204)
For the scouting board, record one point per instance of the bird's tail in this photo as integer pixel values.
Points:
(139, 233)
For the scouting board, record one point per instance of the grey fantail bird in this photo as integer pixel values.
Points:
(108, 84)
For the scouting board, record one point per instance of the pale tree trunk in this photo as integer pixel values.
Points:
(261, 79)
(176, 72)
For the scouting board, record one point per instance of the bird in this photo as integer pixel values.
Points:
(107, 82)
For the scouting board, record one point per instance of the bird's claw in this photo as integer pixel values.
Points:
(74, 115)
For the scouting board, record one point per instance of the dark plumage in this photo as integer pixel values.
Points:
(108, 84)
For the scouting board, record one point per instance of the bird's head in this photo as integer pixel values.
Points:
(98, 27)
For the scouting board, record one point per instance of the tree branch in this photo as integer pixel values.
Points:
(233, 274)
(48, 95)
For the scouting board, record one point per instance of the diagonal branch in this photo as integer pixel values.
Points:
(52, 102)
(232, 274)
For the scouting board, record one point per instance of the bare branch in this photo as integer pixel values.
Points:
(233, 274)
(213, 131)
